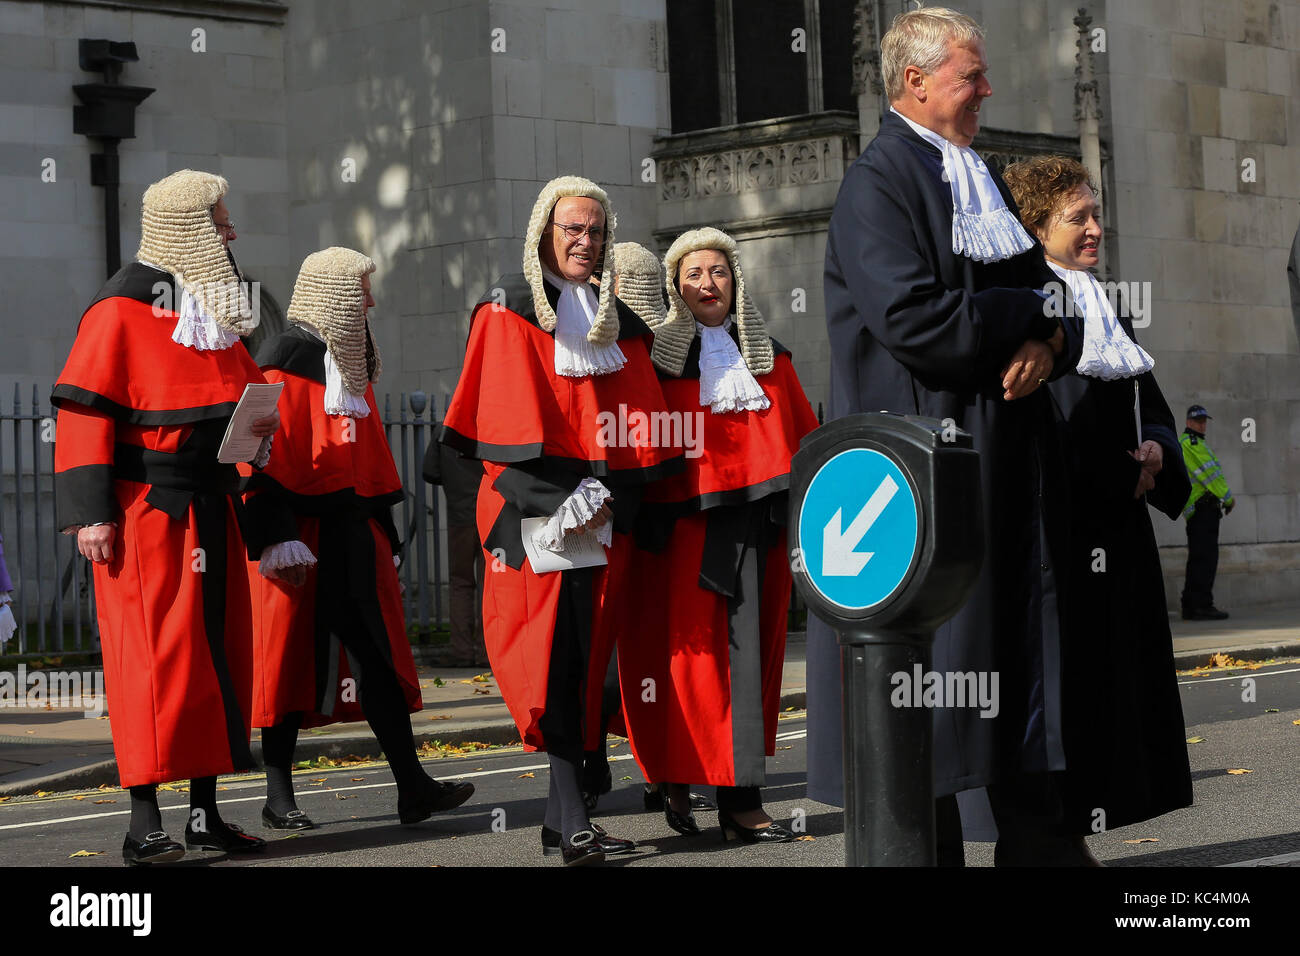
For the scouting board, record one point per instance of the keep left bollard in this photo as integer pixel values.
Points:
(886, 515)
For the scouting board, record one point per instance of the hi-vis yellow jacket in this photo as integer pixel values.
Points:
(1204, 470)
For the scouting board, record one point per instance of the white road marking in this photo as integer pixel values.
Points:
(1211, 680)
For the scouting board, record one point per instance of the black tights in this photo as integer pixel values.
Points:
(146, 818)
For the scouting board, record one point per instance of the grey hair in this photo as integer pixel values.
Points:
(920, 38)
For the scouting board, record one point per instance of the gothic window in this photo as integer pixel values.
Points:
(739, 61)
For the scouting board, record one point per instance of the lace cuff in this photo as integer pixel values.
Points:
(285, 554)
(579, 508)
(263, 453)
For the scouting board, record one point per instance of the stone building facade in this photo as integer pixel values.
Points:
(421, 131)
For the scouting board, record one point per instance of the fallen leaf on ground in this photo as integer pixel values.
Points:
(1296, 722)
(791, 747)
(805, 837)
(481, 690)
(1270, 710)
(3, 799)
(86, 853)
(1144, 840)
(528, 774)
(439, 682)
(1239, 771)
(788, 709)
(42, 793)
(78, 798)
(320, 779)
(441, 717)
(625, 778)
(344, 796)
(1220, 660)
(1196, 740)
(482, 678)
(105, 801)
(355, 779)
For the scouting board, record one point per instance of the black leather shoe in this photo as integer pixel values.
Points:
(228, 837)
(610, 845)
(434, 797)
(772, 833)
(584, 848)
(654, 800)
(157, 847)
(295, 819)
(685, 825)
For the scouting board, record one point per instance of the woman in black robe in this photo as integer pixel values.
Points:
(1123, 733)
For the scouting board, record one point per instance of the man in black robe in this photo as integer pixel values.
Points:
(932, 310)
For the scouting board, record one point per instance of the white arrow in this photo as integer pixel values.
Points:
(839, 560)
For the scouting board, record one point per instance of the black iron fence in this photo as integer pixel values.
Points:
(54, 601)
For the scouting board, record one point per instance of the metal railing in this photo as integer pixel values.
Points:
(53, 600)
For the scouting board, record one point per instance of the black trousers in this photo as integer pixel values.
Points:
(1202, 553)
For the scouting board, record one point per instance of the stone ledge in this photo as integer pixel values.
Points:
(246, 11)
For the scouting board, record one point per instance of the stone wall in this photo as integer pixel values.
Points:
(221, 110)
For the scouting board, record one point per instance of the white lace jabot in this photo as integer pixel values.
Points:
(1108, 352)
(726, 383)
(983, 228)
(575, 313)
(194, 327)
(338, 400)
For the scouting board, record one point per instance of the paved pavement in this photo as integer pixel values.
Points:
(55, 750)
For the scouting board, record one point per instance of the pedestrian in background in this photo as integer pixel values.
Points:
(1210, 500)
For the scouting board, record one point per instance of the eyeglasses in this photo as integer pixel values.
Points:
(576, 232)
(225, 226)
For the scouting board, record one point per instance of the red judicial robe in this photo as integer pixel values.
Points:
(140, 421)
(539, 434)
(330, 484)
(706, 619)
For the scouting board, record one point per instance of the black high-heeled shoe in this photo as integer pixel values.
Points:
(772, 833)
(683, 823)
(654, 800)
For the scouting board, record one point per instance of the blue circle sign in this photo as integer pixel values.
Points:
(858, 529)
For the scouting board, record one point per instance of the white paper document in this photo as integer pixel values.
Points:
(240, 444)
(580, 550)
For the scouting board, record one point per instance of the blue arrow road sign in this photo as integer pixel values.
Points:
(858, 529)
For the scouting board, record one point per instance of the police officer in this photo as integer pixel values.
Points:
(1210, 499)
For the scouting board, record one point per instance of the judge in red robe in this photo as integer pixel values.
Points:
(328, 623)
(144, 400)
(551, 371)
(703, 643)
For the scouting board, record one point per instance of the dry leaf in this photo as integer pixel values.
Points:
(42, 793)
(1238, 772)
(85, 853)
(788, 709)
(1196, 740)
(1270, 710)
(320, 779)
(1296, 722)
(1220, 660)
(481, 690)
(1143, 840)
(3, 799)
(357, 779)
(528, 774)
(805, 837)
(78, 798)
(105, 801)
(441, 717)
(791, 747)
(344, 796)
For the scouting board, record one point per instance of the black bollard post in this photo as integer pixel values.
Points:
(887, 524)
